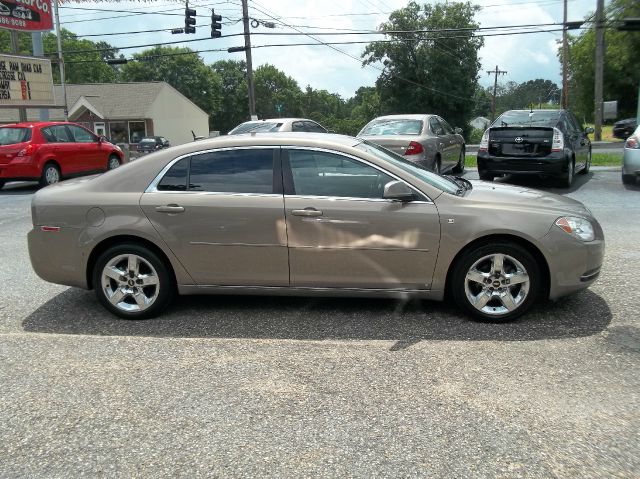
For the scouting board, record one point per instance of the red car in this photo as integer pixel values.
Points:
(50, 151)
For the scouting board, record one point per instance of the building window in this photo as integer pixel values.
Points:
(118, 132)
(137, 131)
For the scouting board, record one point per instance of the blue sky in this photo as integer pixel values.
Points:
(524, 57)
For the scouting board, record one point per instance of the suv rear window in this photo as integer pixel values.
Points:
(11, 136)
(548, 118)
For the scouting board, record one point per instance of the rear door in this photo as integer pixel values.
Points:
(580, 140)
(63, 148)
(222, 214)
(452, 144)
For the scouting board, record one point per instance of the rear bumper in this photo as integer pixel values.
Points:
(554, 164)
(631, 162)
(19, 171)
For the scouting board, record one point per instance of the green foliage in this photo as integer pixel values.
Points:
(184, 71)
(426, 73)
(621, 72)
(274, 90)
(85, 67)
(475, 136)
(234, 105)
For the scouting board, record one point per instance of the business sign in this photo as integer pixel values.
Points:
(27, 15)
(25, 81)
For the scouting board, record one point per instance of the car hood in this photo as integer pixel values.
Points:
(511, 196)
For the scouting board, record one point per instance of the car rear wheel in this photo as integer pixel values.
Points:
(567, 181)
(496, 282)
(587, 165)
(113, 162)
(459, 168)
(50, 174)
(628, 179)
(132, 282)
(1, 184)
(485, 176)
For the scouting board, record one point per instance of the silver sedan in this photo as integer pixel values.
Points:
(631, 158)
(308, 214)
(426, 140)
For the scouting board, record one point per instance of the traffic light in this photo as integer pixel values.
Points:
(189, 20)
(215, 24)
(629, 24)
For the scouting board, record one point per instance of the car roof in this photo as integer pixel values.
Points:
(40, 124)
(410, 116)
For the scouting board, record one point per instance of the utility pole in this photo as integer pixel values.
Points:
(564, 102)
(599, 70)
(496, 72)
(60, 59)
(247, 51)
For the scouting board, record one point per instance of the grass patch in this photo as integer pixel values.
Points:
(607, 133)
(597, 159)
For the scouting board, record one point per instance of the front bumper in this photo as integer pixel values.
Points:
(573, 264)
(554, 164)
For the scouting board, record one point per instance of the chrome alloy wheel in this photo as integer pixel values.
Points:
(113, 163)
(52, 175)
(497, 284)
(130, 283)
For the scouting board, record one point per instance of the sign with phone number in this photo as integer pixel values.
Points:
(26, 15)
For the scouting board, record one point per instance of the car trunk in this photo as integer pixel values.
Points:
(520, 141)
(396, 143)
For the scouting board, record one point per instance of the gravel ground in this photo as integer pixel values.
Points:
(294, 387)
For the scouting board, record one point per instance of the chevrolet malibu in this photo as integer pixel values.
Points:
(308, 214)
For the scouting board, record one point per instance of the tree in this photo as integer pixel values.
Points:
(234, 104)
(184, 70)
(621, 72)
(277, 95)
(429, 72)
(84, 59)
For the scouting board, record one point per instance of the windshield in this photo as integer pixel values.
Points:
(433, 179)
(11, 136)
(254, 126)
(398, 126)
(548, 118)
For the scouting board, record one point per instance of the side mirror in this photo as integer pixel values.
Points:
(398, 191)
(458, 130)
(588, 130)
(102, 139)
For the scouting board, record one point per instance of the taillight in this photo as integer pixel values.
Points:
(558, 140)
(632, 142)
(414, 148)
(28, 150)
(484, 142)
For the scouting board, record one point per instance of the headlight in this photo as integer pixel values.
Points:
(576, 226)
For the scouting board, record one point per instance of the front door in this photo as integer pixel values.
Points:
(226, 226)
(342, 234)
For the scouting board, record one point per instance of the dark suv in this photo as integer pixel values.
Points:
(549, 143)
(152, 143)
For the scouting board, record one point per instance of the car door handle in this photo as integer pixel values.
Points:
(307, 212)
(170, 209)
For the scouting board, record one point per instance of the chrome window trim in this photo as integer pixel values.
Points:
(153, 186)
(353, 198)
(362, 160)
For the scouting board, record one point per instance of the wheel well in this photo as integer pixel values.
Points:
(116, 240)
(530, 247)
(51, 160)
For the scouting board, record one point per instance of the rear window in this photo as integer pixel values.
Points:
(253, 127)
(393, 127)
(150, 141)
(548, 118)
(11, 136)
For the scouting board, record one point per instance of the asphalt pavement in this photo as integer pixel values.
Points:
(295, 387)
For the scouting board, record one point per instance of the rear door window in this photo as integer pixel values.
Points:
(436, 127)
(176, 178)
(57, 134)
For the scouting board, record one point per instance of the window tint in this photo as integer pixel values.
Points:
(233, 171)
(313, 127)
(548, 118)
(297, 126)
(176, 178)
(11, 136)
(447, 128)
(317, 173)
(575, 122)
(81, 135)
(436, 127)
(56, 134)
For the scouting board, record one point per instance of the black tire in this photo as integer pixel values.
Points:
(628, 179)
(2, 183)
(495, 309)
(111, 162)
(485, 176)
(587, 165)
(567, 181)
(459, 168)
(130, 285)
(50, 174)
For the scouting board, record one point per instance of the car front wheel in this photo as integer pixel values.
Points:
(132, 282)
(113, 162)
(496, 282)
(50, 175)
